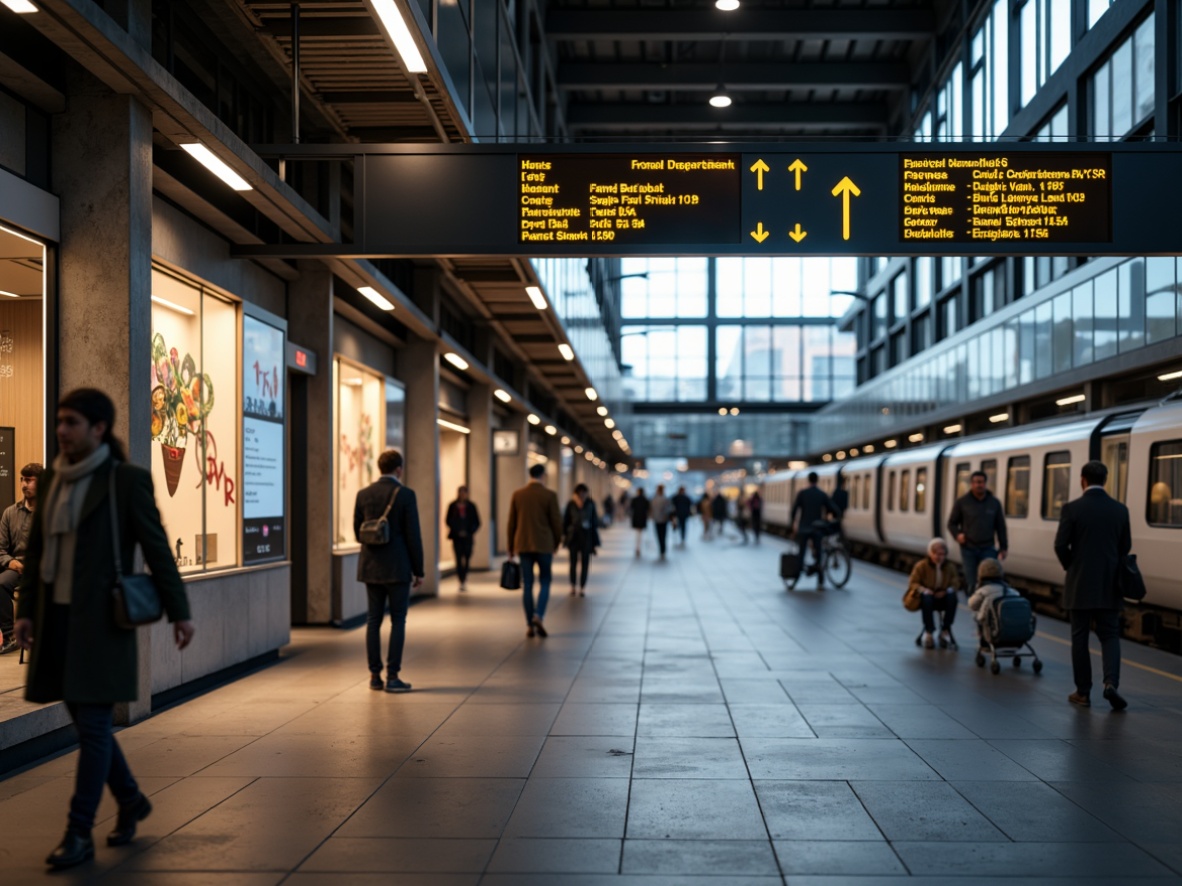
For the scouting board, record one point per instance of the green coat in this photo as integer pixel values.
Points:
(96, 662)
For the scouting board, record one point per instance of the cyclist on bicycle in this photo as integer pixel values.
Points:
(811, 506)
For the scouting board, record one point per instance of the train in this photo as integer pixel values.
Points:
(899, 499)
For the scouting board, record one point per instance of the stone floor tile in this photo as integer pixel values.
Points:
(506, 719)
(843, 721)
(665, 757)
(1034, 813)
(814, 810)
(769, 721)
(691, 720)
(918, 721)
(845, 857)
(1140, 812)
(692, 809)
(924, 811)
(344, 755)
(833, 758)
(570, 807)
(377, 714)
(744, 691)
(193, 878)
(595, 719)
(528, 855)
(705, 858)
(623, 880)
(384, 879)
(474, 756)
(1053, 760)
(352, 855)
(970, 759)
(473, 808)
(1119, 862)
(585, 756)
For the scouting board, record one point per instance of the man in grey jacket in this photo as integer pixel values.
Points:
(389, 570)
(977, 517)
(14, 541)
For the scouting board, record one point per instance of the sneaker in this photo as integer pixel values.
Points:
(928, 642)
(375, 682)
(10, 646)
(1114, 698)
(396, 685)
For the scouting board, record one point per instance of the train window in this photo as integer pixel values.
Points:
(921, 490)
(989, 467)
(905, 491)
(890, 502)
(857, 491)
(962, 479)
(1115, 456)
(1018, 487)
(1165, 484)
(1056, 484)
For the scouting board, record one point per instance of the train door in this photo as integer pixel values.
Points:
(1114, 452)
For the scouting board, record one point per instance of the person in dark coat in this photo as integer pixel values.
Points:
(1092, 542)
(609, 510)
(810, 508)
(683, 506)
(462, 522)
(718, 514)
(755, 510)
(391, 570)
(580, 534)
(976, 517)
(65, 615)
(640, 509)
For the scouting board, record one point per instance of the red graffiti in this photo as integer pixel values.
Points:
(266, 382)
(215, 471)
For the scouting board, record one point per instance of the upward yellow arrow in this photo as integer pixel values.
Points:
(845, 187)
(798, 167)
(759, 168)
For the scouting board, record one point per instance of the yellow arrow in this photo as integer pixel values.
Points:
(797, 234)
(797, 167)
(759, 168)
(759, 233)
(845, 187)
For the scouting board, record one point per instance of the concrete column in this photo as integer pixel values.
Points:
(481, 475)
(102, 163)
(511, 474)
(565, 481)
(419, 367)
(310, 325)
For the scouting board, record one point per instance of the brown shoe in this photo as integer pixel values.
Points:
(1080, 699)
(538, 627)
(529, 631)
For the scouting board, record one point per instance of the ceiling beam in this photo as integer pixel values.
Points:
(315, 27)
(742, 76)
(761, 24)
(779, 115)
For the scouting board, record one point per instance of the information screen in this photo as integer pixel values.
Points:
(997, 197)
(629, 199)
(263, 448)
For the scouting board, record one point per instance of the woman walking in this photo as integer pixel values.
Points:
(641, 510)
(580, 534)
(66, 617)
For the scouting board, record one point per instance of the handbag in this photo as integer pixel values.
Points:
(377, 531)
(912, 600)
(1129, 580)
(511, 575)
(134, 597)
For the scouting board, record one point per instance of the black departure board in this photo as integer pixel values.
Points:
(1005, 197)
(629, 199)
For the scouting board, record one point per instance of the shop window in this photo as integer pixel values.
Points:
(963, 472)
(1018, 487)
(905, 491)
(989, 468)
(1056, 484)
(360, 412)
(1165, 484)
(891, 492)
(921, 490)
(196, 422)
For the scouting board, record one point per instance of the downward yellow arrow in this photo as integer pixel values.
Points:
(797, 167)
(845, 187)
(759, 233)
(797, 234)
(759, 168)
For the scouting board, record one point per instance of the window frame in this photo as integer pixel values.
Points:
(1015, 461)
(905, 490)
(1154, 458)
(891, 491)
(1046, 486)
(921, 490)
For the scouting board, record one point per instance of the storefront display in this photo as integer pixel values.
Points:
(22, 357)
(360, 413)
(263, 451)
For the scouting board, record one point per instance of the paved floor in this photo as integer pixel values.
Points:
(688, 722)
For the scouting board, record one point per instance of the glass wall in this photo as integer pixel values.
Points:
(1122, 89)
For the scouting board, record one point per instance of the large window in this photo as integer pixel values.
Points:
(1018, 487)
(663, 287)
(1165, 484)
(1123, 87)
(22, 360)
(1046, 41)
(989, 57)
(664, 363)
(1056, 484)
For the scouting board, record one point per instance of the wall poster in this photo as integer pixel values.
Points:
(263, 442)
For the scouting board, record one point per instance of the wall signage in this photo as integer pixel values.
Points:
(506, 442)
(263, 443)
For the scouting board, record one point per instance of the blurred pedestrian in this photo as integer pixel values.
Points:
(718, 514)
(640, 513)
(683, 506)
(609, 510)
(740, 515)
(976, 517)
(463, 520)
(661, 509)
(91, 504)
(15, 524)
(755, 509)
(704, 511)
(580, 534)
(534, 533)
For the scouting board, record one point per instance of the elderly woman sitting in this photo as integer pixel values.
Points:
(937, 581)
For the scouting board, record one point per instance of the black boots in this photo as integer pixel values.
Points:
(129, 816)
(75, 848)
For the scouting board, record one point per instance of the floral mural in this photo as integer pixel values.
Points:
(181, 401)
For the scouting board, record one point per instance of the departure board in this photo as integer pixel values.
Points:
(629, 199)
(1006, 197)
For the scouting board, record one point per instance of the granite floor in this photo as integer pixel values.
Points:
(687, 722)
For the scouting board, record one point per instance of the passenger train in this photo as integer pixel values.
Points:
(900, 499)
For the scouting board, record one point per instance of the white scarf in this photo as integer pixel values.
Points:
(63, 509)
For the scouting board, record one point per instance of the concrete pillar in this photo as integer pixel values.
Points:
(102, 163)
(135, 17)
(419, 368)
(512, 472)
(564, 482)
(481, 475)
(310, 325)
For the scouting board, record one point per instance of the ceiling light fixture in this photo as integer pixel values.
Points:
(20, 7)
(868, 448)
(719, 459)
(452, 426)
(456, 360)
(952, 429)
(1170, 376)
(395, 25)
(601, 410)
(1001, 416)
(533, 419)
(578, 449)
(592, 394)
(720, 99)
(826, 457)
(891, 444)
(536, 296)
(722, 410)
(566, 441)
(734, 410)
(163, 302)
(568, 353)
(503, 395)
(1067, 401)
(916, 438)
(376, 297)
(217, 166)
(726, 5)
(551, 430)
(609, 423)
(5, 292)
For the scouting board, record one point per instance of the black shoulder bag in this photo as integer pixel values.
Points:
(135, 598)
(1129, 580)
(377, 532)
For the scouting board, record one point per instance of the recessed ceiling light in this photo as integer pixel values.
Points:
(568, 353)
(533, 419)
(566, 441)
(452, 426)
(551, 430)
(503, 395)
(217, 166)
(163, 302)
(720, 100)
(20, 7)
(722, 410)
(1067, 401)
(609, 423)
(536, 296)
(376, 297)
(592, 394)
(400, 35)
(916, 438)
(952, 429)
(1170, 376)
(891, 444)
(1000, 417)
(726, 5)
(456, 360)
(602, 410)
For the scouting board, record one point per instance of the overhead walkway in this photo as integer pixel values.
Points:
(686, 722)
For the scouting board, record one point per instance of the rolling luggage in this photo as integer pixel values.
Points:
(790, 565)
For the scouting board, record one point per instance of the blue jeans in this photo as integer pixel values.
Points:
(543, 562)
(398, 596)
(945, 605)
(100, 761)
(972, 557)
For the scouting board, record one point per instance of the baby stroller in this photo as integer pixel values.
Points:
(1008, 626)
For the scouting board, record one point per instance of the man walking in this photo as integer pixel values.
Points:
(15, 524)
(640, 510)
(534, 532)
(462, 522)
(977, 517)
(811, 506)
(683, 506)
(755, 509)
(391, 569)
(662, 511)
(718, 514)
(1092, 542)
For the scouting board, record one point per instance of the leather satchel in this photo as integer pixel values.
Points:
(1129, 580)
(134, 597)
(912, 599)
(377, 531)
(511, 575)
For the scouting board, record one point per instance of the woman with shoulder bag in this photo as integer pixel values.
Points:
(580, 534)
(935, 581)
(67, 614)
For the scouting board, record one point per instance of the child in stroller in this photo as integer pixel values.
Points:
(1004, 618)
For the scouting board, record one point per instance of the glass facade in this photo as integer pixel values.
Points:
(1122, 89)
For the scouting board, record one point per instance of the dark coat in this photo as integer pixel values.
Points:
(574, 536)
(1092, 540)
(718, 507)
(401, 559)
(462, 527)
(535, 526)
(812, 504)
(683, 506)
(641, 508)
(979, 521)
(97, 662)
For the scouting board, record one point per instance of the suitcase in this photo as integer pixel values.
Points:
(790, 566)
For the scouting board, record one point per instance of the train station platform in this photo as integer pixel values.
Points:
(687, 722)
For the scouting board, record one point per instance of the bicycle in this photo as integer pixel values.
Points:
(836, 564)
